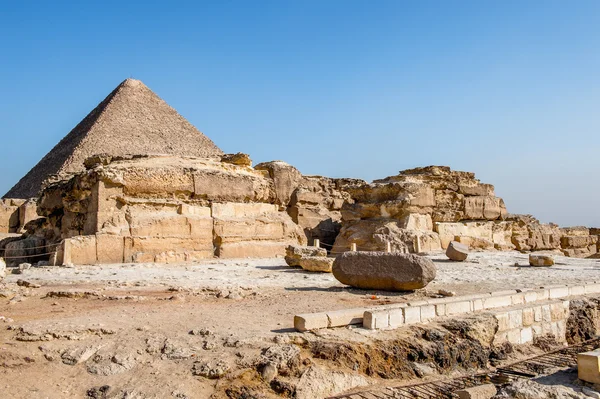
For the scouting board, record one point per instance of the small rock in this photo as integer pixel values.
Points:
(24, 266)
(211, 369)
(28, 284)
(541, 260)
(268, 372)
(204, 332)
(457, 252)
(446, 293)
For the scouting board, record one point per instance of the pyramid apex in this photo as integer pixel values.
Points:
(130, 82)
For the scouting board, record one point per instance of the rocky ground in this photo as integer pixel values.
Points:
(223, 329)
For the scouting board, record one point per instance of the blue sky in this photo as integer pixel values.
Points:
(507, 89)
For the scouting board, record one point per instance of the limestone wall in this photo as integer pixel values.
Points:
(167, 209)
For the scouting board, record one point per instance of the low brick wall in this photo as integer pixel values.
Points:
(537, 301)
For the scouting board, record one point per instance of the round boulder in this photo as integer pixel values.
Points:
(457, 251)
(386, 271)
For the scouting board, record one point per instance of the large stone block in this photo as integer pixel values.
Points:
(238, 230)
(251, 249)
(588, 366)
(487, 208)
(286, 179)
(242, 210)
(384, 271)
(80, 250)
(146, 249)
(232, 186)
(457, 252)
(110, 248)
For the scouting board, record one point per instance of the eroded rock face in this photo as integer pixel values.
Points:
(384, 271)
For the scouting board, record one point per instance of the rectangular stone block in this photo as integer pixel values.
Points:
(458, 307)
(517, 299)
(537, 314)
(497, 302)
(542, 294)
(345, 317)
(440, 309)
(412, 314)
(526, 335)
(310, 321)
(546, 313)
(557, 311)
(396, 318)
(110, 248)
(503, 322)
(528, 317)
(514, 336)
(486, 391)
(477, 304)
(537, 330)
(530, 296)
(577, 290)
(375, 320)
(80, 250)
(588, 366)
(252, 249)
(242, 210)
(592, 288)
(559, 292)
(427, 312)
(515, 318)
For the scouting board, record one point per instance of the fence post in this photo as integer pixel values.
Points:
(316, 243)
(353, 247)
(389, 247)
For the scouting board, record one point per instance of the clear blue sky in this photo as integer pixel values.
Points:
(507, 89)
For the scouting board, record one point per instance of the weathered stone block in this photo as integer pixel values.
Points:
(383, 271)
(110, 248)
(310, 321)
(588, 366)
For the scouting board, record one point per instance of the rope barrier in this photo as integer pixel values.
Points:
(28, 256)
(43, 246)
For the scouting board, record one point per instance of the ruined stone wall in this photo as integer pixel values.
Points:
(15, 214)
(167, 209)
(423, 209)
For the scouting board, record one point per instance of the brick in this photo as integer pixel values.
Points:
(497, 302)
(503, 323)
(530, 296)
(427, 312)
(310, 321)
(376, 319)
(517, 299)
(396, 318)
(592, 288)
(542, 295)
(546, 313)
(515, 318)
(537, 329)
(588, 366)
(557, 311)
(578, 290)
(559, 292)
(528, 317)
(537, 314)
(412, 315)
(503, 293)
(561, 331)
(344, 317)
(440, 309)
(526, 335)
(514, 336)
(458, 307)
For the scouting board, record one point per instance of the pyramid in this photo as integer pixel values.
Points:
(131, 120)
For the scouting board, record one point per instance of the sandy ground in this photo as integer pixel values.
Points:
(246, 303)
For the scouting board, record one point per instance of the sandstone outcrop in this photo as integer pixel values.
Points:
(457, 251)
(384, 270)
